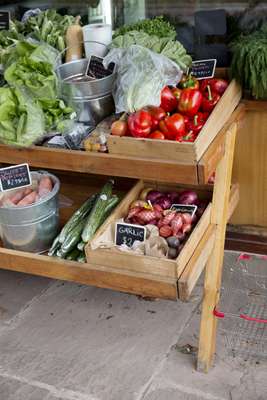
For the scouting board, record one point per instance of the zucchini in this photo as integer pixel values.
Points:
(111, 204)
(95, 217)
(55, 247)
(73, 255)
(79, 215)
(81, 245)
(81, 258)
(71, 240)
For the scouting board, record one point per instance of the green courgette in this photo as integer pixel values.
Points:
(81, 258)
(73, 255)
(111, 204)
(79, 215)
(71, 240)
(95, 217)
(55, 247)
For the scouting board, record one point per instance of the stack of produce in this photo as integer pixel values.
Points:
(154, 207)
(249, 62)
(83, 224)
(30, 195)
(30, 106)
(182, 113)
(48, 26)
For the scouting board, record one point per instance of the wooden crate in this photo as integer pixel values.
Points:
(146, 264)
(181, 152)
(161, 283)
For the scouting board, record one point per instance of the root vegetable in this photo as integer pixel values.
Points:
(153, 195)
(176, 224)
(173, 242)
(169, 217)
(15, 198)
(172, 253)
(28, 200)
(133, 212)
(187, 218)
(188, 197)
(164, 202)
(146, 216)
(45, 186)
(186, 228)
(138, 203)
(165, 231)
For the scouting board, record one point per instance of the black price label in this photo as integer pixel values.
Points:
(185, 208)
(96, 68)
(15, 177)
(203, 69)
(4, 20)
(127, 234)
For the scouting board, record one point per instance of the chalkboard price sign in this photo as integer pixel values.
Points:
(4, 20)
(126, 234)
(96, 68)
(203, 69)
(15, 177)
(185, 208)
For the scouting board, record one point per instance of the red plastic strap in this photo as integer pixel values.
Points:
(218, 314)
(244, 256)
(247, 318)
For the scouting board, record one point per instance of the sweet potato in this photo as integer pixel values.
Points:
(16, 197)
(45, 186)
(28, 200)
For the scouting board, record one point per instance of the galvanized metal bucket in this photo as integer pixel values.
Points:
(32, 228)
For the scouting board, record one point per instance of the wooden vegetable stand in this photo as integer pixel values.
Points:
(170, 279)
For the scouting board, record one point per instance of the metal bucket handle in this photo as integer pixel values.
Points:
(69, 47)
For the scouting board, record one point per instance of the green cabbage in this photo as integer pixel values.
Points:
(170, 48)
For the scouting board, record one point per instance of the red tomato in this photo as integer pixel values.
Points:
(156, 135)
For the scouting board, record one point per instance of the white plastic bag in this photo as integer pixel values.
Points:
(141, 75)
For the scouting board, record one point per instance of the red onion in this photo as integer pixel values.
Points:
(188, 197)
(194, 219)
(164, 202)
(153, 195)
(153, 222)
(173, 196)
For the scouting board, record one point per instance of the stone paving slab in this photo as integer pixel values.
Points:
(97, 342)
(71, 342)
(16, 290)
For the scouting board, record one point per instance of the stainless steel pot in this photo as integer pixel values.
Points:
(32, 228)
(93, 110)
(74, 86)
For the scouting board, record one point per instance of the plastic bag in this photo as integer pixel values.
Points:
(141, 75)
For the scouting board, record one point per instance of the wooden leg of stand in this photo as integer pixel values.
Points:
(212, 285)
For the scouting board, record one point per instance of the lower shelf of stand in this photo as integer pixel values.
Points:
(139, 283)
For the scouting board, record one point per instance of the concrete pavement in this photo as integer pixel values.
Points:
(66, 341)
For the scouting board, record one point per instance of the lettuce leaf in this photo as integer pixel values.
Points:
(21, 119)
(38, 78)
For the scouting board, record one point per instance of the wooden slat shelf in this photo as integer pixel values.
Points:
(101, 164)
(193, 173)
(207, 249)
(137, 282)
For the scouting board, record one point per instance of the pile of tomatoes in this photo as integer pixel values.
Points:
(181, 115)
